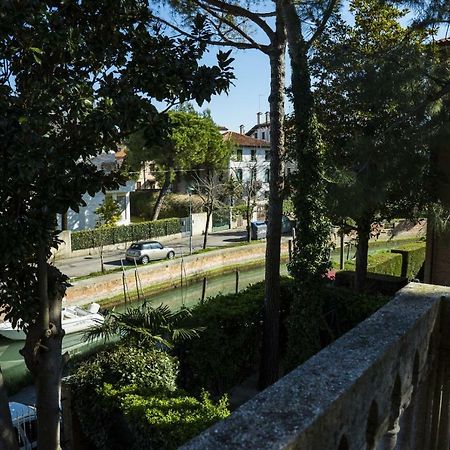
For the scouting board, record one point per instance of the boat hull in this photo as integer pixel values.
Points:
(74, 320)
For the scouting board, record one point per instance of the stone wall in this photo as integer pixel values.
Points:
(166, 274)
(384, 385)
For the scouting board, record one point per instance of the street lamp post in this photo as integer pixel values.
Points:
(190, 223)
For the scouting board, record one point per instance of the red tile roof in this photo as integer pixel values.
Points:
(245, 141)
(444, 41)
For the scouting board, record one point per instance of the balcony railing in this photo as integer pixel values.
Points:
(384, 385)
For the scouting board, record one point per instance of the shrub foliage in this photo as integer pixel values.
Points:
(124, 233)
(404, 261)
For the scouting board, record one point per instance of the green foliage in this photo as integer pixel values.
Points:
(312, 245)
(124, 233)
(413, 256)
(384, 262)
(145, 326)
(370, 78)
(229, 348)
(405, 260)
(152, 371)
(124, 365)
(316, 321)
(161, 422)
(175, 205)
(108, 213)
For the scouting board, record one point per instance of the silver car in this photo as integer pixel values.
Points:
(144, 252)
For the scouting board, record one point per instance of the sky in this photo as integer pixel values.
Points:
(250, 92)
(248, 95)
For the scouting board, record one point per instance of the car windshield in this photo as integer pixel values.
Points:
(136, 246)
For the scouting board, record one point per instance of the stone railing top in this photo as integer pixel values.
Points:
(343, 396)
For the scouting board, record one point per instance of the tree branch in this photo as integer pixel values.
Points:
(326, 16)
(239, 45)
(234, 27)
(236, 10)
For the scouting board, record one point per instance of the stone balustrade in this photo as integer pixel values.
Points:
(384, 386)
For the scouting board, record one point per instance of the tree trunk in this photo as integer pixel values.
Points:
(208, 217)
(313, 227)
(102, 263)
(248, 215)
(8, 439)
(42, 353)
(361, 253)
(64, 221)
(162, 194)
(269, 368)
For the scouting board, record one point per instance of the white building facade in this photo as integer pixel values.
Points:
(86, 218)
(262, 131)
(250, 162)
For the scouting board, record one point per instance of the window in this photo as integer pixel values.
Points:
(31, 430)
(267, 175)
(267, 155)
(239, 154)
(239, 174)
(266, 194)
(253, 154)
(263, 135)
(255, 135)
(121, 200)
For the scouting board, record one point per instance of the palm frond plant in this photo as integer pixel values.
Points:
(145, 326)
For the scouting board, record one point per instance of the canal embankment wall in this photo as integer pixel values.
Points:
(167, 274)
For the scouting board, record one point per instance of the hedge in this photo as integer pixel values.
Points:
(384, 263)
(124, 233)
(158, 421)
(150, 370)
(404, 261)
(228, 350)
(413, 258)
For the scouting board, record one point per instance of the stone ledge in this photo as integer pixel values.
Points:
(332, 397)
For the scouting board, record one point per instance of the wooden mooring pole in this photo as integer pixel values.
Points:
(237, 281)
(205, 284)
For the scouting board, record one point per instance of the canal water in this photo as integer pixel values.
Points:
(13, 367)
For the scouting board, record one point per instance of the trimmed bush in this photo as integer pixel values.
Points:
(228, 350)
(383, 262)
(153, 371)
(123, 365)
(158, 422)
(413, 258)
(124, 233)
(375, 282)
(403, 261)
(322, 316)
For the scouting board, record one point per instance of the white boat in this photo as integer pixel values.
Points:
(73, 319)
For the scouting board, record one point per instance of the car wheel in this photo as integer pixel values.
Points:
(145, 260)
(170, 255)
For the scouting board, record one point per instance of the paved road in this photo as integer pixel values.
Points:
(79, 266)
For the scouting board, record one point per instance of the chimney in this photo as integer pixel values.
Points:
(258, 118)
(267, 116)
(241, 128)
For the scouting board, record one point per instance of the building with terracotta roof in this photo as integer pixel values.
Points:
(250, 162)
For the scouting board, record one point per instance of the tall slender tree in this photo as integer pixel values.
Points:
(371, 78)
